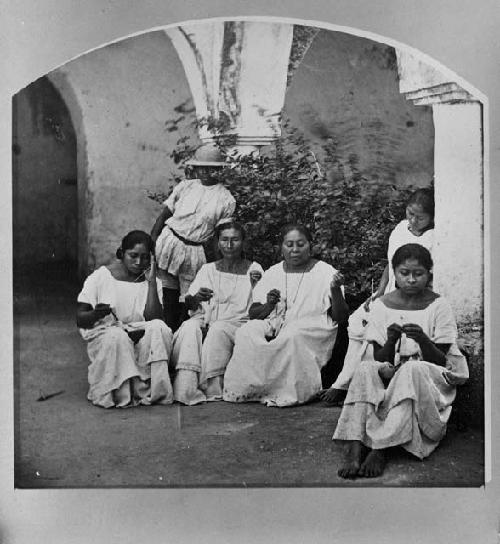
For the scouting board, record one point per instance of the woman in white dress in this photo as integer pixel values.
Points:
(418, 228)
(279, 353)
(187, 221)
(119, 316)
(402, 394)
(218, 299)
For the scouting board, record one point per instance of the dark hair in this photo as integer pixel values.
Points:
(133, 238)
(412, 251)
(425, 199)
(298, 227)
(229, 224)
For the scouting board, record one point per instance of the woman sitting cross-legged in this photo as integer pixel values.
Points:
(119, 315)
(403, 395)
(279, 353)
(218, 298)
(417, 228)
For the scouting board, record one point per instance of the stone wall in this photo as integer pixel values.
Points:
(127, 95)
(346, 88)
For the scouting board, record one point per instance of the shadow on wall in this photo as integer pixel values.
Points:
(347, 89)
(45, 203)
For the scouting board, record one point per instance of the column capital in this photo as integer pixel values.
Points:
(424, 85)
(237, 69)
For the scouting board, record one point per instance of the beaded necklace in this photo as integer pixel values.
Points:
(296, 292)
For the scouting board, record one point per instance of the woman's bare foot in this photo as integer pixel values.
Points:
(373, 465)
(333, 397)
(386, 371)
(355, 454)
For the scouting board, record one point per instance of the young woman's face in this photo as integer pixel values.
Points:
(418, 220)
(136, 259)
(296, 248)
(411, 277)
(230, 243)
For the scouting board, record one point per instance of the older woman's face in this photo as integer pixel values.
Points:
(296, 248)
(230, 242)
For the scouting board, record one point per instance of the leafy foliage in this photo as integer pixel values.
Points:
(349, 216)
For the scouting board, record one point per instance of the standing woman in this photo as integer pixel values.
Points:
(279, 353)
(119, 316)
(219, 299)
(417, 228)
(413, 334)
(187, 221)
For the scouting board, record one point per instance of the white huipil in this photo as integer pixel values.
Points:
(201, 363)
(122, 373)
(196, 210)
(277, 361)
(414, 409)
(358, 320)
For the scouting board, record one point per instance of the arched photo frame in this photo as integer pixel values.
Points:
(486, 136)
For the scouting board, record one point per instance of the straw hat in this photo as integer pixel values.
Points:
(207, 155)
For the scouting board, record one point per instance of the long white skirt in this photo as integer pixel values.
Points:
(281, 372)
(122, 373)
(412, 412)
(201, 363)
(356, 349)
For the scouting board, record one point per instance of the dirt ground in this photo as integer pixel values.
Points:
(65, 441)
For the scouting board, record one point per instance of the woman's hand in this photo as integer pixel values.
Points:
(255, 276)
(101, 310)
(273, 297)
(415, 332)
(337, 280)
(150, 274)
(394, 332)
(204, 294)
(339, 310)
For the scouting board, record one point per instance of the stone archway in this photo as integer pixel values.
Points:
(44, 180)
(64, 88)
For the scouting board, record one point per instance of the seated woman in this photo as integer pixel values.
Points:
(413, 334)
(119, 315)
(417, 228)
(279, 353)
(218, 298)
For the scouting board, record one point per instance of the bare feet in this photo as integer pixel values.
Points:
(355, 454)
(333, 397)
(373, 465)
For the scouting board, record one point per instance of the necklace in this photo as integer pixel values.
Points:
(296, 292)
(217, 300)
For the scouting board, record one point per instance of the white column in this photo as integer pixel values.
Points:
(200, 48)
(458, 170)
(264, 53)
(238, 68)
(458, 183)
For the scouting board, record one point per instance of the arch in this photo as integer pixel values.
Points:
(423, 57)
(434, 85)
(61, 83)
